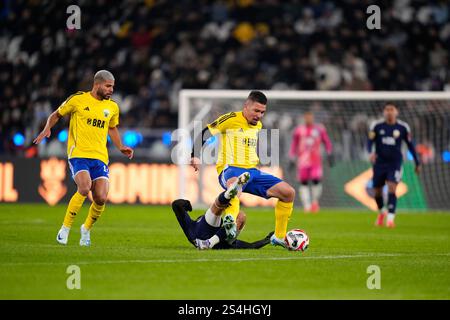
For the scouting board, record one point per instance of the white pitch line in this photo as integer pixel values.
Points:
(328, 257)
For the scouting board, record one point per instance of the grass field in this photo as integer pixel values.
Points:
(140, 252)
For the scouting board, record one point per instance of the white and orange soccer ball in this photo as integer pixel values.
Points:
(296, 240)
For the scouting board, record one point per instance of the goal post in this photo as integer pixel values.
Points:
(346, 115)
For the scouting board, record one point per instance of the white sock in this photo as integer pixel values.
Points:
(65, 228)
(316, 192)
(390, 217)
(212, 219)
(214, 240)
(305, 195)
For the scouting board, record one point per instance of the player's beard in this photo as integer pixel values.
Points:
(102, 94)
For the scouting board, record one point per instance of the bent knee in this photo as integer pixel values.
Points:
(288, 194)
(84, 189)
(100, 199)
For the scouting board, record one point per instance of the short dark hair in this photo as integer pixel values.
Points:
(389, 103)
(257, 96)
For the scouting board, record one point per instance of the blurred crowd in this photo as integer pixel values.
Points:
(157, 47)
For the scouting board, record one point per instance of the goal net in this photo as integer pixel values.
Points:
(347, 117)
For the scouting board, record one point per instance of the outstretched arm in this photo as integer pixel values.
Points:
(115, 137)
(181, 208)
(328, 146)
(46, 132)
(412, 149)
(370, 141)
(197, 146)
(239, 244)
(369, 145)
(220, 125)
(326, 140)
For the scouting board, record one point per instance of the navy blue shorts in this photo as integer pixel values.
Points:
(198, 229)
(258, 184)
(386, 172)
(97, 169)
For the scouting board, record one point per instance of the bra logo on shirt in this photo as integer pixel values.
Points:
(96, 123)
(106, 113)
(86, 109)
(249, 142)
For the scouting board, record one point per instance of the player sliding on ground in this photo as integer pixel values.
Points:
(387, 135)
(238, 154)
(93, 115)
(209, 231)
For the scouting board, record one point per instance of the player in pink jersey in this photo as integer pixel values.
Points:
(305, 149)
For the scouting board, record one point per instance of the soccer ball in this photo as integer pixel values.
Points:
(296, 240)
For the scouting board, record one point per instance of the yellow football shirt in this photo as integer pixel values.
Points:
(238, 141)
(89, 122)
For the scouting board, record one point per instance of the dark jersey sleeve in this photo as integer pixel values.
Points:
(239, 244)
(371, 138)
(199, 141)
(411, 145)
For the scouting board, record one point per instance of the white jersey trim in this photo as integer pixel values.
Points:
(406, 125)
(375, 123)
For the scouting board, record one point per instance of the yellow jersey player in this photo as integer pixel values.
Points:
(93, 115)
(238, 154)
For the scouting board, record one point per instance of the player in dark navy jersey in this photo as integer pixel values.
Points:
(210, 231)
(387, 135)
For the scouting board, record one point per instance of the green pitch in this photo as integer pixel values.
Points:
(140, 252)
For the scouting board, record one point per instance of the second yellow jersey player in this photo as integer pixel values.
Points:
(93, 116)
(238, 154)
(90, 120)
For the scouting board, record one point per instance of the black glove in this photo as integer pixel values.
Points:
(181, 203)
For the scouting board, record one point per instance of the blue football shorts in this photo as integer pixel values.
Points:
(258, 184)
(97, 169)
